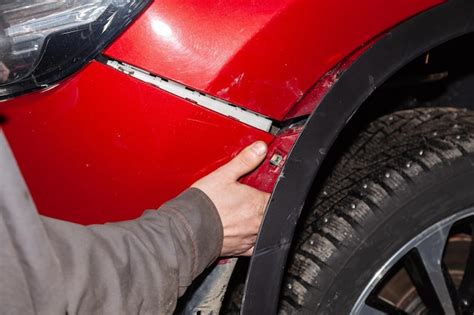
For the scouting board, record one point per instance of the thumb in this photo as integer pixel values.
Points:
(246, 161)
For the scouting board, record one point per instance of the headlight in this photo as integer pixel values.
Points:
(43, 41)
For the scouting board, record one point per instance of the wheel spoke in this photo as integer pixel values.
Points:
(369, 310)
(376, 306)
(423, 260)
(453, 292)
(426, 271)
(466, 289)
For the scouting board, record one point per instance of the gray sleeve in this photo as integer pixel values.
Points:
(141, 265)
(49, 266)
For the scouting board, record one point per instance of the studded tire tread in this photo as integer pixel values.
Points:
(385, 158)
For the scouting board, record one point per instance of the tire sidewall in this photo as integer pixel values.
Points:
(430, 197)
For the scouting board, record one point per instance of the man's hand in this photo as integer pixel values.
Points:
(240, 206)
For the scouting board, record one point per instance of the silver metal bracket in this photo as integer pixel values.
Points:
(217, 105)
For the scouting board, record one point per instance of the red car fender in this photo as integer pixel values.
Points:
(103, 146)
(262, 55)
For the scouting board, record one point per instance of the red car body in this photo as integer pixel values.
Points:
(121, 134)
(103, 146)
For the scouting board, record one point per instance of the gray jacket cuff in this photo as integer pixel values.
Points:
(198, 214)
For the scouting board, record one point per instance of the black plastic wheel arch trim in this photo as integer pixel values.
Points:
(397, 48)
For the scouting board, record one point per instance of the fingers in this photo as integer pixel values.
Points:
(258, 220)
(265, 199)
(246, 161)
(240, 207)
(249, 252)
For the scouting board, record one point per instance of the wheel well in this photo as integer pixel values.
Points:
(440, 77)
(309, 157)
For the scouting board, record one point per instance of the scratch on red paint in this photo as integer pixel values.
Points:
(315, 94)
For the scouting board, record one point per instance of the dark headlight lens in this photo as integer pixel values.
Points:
(43, 41)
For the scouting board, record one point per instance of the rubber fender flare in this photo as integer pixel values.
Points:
(390, 53)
